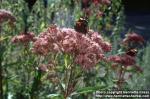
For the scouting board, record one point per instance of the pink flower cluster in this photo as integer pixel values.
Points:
(24, 38)
(96, 2)
(125, 60)
(88, 11)
(107, 2)
(87, 50)
(6, 16)
(133, 38)
(94, 36)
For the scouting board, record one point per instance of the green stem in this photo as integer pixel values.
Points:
(121, 78)
(1, 69)
(1, 80)
(68, 85)
(6, 85)
(45, 17)
(35, 85)
(71, 81)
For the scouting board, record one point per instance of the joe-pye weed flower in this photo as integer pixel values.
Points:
(87, 50)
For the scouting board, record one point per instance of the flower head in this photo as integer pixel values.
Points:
(115, 59)
(107, 2)
(99, 14)
(24, 38)
(128, 60)
(125, 60)
(43, 68)
(106, 46)
(96, 2)
(87, 50)
(6, 16)
(85, 4)
(133, 38)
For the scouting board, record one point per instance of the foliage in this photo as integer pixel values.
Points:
(40, 60)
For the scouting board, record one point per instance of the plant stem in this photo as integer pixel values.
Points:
(1, 80)
(121, 78)
(45, 16)
(35, 85)
(70, 84)
(1, 70)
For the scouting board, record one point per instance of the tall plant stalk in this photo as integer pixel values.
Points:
(1, 79)
(35, 85)
(1, 70)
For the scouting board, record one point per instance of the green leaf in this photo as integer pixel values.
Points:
(42, 25)
(55, 96)
(90, 89)
(10, 64)
(66, 61)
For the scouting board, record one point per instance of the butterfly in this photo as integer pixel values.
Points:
(132, 52)
(81, 25)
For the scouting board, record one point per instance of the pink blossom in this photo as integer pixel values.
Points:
(24, 38)
(133, 38)
(6, 16)
(43, 68)
(99, 14)
(85, 49)
(106, 46)
(107, 2)
(41, 46)
(85, 1)
(125, 60)
(87, 11)
(115, 58)
(88, 56)
(96, 2)
(85, 4)
(128, 60)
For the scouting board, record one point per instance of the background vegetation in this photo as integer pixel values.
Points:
(21, 74)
